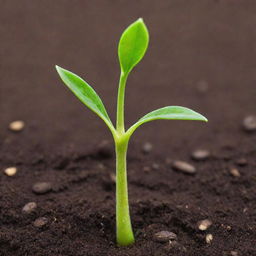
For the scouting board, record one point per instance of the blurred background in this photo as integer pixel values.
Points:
(202, 55)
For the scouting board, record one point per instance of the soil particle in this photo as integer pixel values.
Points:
(147, 148)
(17, 126)
(204, 224)
(29, 207)
(241, 161)
(208, 238)
(42, 187)
(249, 123)
(164, 236)
(175, 247)
(234, 253)
(155, 166)
(184, 167)
(202, 86)
(40, 222)
(10, 171)
(235, 172)
(200, 154)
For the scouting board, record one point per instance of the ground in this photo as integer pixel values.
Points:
(201, 55)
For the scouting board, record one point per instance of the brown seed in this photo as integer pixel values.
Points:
(42, 187)
(16, 126)
(164, 236)
(40, 222)
(29, 207)
(184, 167)
(147, 148)
(234, 172)
(204, 224)
(249, 123)
(209, 238)
(10, 171)
(200, 154)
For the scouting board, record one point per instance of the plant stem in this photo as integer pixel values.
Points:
(124, 231)
(120, 103)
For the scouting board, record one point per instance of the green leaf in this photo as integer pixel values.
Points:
(168, 113)
(133, 45)
(85, 93)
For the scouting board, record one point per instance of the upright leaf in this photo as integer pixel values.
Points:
(169, 113)
(84, 93)
(133, 45)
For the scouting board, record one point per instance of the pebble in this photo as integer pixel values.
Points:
(16, 126)
(241, 161)
(234, 253)
(42, 187)
(200, 154)
(249, 123)
(164, 236)
(234, 172)
(184, 167)
(29, 207)
(147, 148)
(209, 238)
(204, 224)
(40, 222)
(10, 171)
(105, 149)
(202, 86)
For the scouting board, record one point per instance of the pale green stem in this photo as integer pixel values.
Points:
(120, 104)
(124, 231)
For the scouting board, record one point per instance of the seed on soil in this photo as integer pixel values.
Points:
(234, 253)
(164, 236)
(147, 148)
(42, 187)
(249, 123)
(184, 167)
(16, 126)
(10, 171)
(234, 172)
(29, 207)
(40, 222)
(241, 161)
(209, 238)
(200, 154)
(105, 149)
(204, 224)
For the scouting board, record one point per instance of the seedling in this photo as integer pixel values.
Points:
(132, 47)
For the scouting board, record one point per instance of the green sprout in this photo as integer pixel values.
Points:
(132, 47)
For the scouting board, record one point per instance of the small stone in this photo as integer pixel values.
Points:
(184, 167)
(112, 177)
(234, 253)
(146, 169)
(147, 148)
(209, 238)
(155, 166)
(42, 187)
(16, 126)
(241, 161)
(164, 236)
(105, 149)
(10, 171)
(234, 172)
(202, 86)
(204, 224)
(29, 207)
(40, 222)
(200, 154)
(249, 123)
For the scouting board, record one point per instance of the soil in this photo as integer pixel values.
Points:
(201, 55)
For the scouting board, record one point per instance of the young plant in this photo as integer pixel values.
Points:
(132, 47)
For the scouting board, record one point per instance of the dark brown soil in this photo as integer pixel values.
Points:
(201, 55)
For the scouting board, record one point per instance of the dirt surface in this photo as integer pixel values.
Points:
(201, 55)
